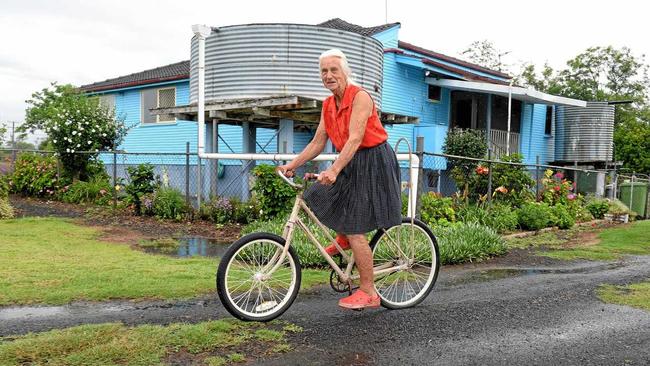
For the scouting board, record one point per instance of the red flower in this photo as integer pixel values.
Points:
(481, 170)
(556, 188)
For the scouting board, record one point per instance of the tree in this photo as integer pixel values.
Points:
(606, 74)
(485, 54)
(74, 122)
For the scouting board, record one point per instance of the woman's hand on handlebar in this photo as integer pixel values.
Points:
(286, 169)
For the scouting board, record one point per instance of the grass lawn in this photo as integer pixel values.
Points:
(637, 295)
(208, 343)
(613, 242)
(54, 261)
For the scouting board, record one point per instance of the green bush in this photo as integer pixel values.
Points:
(141, 182)
(562, 218)
(6, 211)
(35, 175)
(97, 191)
(534, 216)
(169, 203)
(436, 210)
(499, 217)
(617, 207)
(245, 212)
(598, 207)
(470, 143)
(468, 242)
(273, 194)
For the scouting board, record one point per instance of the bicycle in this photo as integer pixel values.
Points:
(259, 276)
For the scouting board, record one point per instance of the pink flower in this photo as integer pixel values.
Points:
(571, 196)
(559, 175)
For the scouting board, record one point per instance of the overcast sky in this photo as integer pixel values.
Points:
(80, 42)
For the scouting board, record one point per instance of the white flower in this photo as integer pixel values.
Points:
(54, 141)
(81, 128)
(78, 145)
(74, 133)
(72, 151)
(103, 135)
(67, 150)
(90, 142)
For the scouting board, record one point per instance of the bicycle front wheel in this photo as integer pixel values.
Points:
(414, 251)
(247, 287)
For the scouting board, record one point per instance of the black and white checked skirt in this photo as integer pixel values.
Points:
(366, 195)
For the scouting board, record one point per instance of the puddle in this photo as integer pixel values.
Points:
(32, 312)
(501, 273)
(190, 247)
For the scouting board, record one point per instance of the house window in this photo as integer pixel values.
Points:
(157, 98)
(548, 127)
(434, 93)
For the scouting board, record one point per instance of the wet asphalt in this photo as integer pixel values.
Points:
(475, 316)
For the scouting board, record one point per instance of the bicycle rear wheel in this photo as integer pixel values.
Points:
(245, 287)
(415, 249)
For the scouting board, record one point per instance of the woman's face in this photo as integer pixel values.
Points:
(332, 74)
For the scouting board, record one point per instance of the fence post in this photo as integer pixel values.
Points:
(187, 173)
(537, 178)
(489, 187)
(419, 150)
(199, 183)
(631, 189)
(114, 180)
(575, 180)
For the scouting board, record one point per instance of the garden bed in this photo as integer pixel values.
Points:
(121, 224)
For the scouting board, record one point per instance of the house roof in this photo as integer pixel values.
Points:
(181, 70)
(338, 23)
(176, 71)
(440, 56)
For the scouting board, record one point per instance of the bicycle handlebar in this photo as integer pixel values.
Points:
(289, 182)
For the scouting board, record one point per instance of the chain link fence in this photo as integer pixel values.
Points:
(201, 179)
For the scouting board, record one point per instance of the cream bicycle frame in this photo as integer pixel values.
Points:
(294, 220)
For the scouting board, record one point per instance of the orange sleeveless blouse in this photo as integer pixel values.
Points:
(337, 122)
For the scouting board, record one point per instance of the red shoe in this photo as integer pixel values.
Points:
(360, 300)
(343, 243)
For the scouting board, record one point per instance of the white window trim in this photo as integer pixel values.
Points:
(158, 103)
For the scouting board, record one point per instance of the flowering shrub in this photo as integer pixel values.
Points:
(34, 175)
(513, 183)
(556, 189)
(74, 122)
(470, 143)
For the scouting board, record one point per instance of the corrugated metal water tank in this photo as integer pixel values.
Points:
(584, 134)
(261, 60)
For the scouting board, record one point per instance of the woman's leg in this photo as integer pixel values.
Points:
(363, 260)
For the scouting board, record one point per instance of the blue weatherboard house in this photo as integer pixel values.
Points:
(263, 94)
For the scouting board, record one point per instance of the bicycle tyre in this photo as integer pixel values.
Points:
(238, 265)
(425, 239)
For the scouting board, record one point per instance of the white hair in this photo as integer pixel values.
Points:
(345, 66)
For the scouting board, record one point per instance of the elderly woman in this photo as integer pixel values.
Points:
(360, 191)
